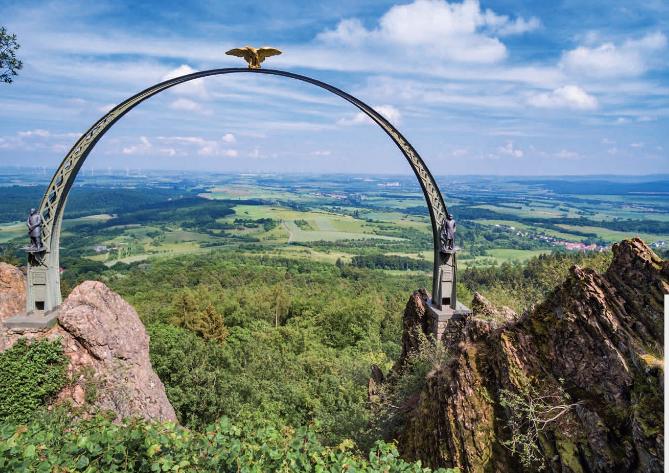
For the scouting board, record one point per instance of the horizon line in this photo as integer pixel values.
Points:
(114, 171)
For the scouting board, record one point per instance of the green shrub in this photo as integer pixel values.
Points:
(58, 443)
(30, 373)
(381, 261)
(519, 285)
(389, 406)
(194, 310)
(192, 370)
(281, 377)
(531, 416)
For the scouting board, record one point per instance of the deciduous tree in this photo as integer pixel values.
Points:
(9, 63)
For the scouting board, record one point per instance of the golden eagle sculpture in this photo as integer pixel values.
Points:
(254, 56)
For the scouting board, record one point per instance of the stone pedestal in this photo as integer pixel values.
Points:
(444, 304)
(42, 296)
(440, 314)
(445, 295)
(32, 321)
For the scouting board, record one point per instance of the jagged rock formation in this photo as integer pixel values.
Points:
(12, 291)
(592, 352)
(108, 350)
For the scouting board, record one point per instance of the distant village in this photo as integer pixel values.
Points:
(554, 241)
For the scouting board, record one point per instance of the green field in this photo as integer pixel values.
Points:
(13, 230)
(614, 236)
(502, 255)
(136, 243)
(498, 256)
(526, 210)
(334, 218)
(326, 226)
(536, 229)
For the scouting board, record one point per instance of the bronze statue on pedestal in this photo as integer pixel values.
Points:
(35, 230)
(447, 235)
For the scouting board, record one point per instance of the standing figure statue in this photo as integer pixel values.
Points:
(35, 230)
(447, 235)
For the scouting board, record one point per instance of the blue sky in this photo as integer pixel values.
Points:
(491, 87)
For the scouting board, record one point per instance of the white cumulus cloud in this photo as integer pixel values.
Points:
(38, 132)
(567, 154)
(186, 105)
(392, 114)
(350, 31)
(321, 152)
(38, 139)
(568, 96)
(631, 58)
(518, 26)
(509, 149)
(143, 147)
(455, 31)
(106, 108)
(195, 87)
(187, 145)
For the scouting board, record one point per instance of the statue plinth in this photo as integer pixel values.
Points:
(444, 294)
(444, 304)
(34, 250)
(438, 316)
(34, 321)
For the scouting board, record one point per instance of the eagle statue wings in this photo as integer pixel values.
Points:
(254, 56)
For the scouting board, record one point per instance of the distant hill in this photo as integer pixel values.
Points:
(600, 186)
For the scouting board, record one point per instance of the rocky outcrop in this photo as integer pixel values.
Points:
(108, 351)
(12, 291)
(589, 360)
(415, 322)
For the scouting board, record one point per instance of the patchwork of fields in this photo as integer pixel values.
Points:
(334, 218)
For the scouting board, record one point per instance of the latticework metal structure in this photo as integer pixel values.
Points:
(43, 267)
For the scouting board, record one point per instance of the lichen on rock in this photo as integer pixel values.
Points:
(593, 348)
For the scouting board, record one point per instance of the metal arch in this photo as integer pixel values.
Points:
(45, 266)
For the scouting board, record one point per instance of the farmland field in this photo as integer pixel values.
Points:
(333, 218)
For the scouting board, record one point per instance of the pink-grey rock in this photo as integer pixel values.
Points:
(108, 351)
(12, 291)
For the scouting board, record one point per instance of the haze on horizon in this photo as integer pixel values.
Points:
(496, 87)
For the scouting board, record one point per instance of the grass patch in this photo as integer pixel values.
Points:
(615, 235)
